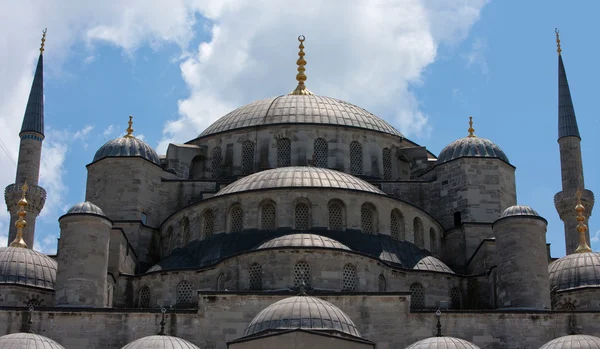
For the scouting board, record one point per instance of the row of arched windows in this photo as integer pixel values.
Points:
(184, 295)
(418, 297)
(284, 157)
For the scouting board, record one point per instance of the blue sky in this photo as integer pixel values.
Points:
(422, 65)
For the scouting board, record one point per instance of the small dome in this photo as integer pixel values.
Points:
(298, 176)
(575, 270)
(85, 207)
(160, 342)
(574, 341)
(27, 341)
(297, 109)
(302, 240)
(302, 312)
(430, 263)
(519, 210)
(471, 146)
(442, 343)
(24, 266)
(127, 146)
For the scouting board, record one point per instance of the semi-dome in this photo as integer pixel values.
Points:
(471, 146)
(302, 312)
(575, 270)
(85, 207)
(302, 240)
(430, 263)
(519, 210)
(160, 342)
(574, 341)
(27, 341)
(300, 109)
(443, 343)
(298, 176)
(24, 266)
(127, 146)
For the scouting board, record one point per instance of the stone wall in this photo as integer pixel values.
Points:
(22, 296)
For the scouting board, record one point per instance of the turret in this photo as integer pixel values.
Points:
(522, 259)
(30, 153)
(81, 279)
(571, 163)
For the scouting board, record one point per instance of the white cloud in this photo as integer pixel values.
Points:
(595, 237)
(476, 56)
(108, 132)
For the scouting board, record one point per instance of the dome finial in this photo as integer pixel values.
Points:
(43, 40)
(129, 129)
(581, 227)
(162, 322)
(558, 49)
(471, 130)
(301, 77)
(27, 324)
(21, 223)
(438, 314)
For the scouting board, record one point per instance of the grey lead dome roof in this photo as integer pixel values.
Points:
(299, 109)
(519, 210)
(85, 207)
(160, 342)
(127, 146)
(471, 146)
(298, 176)
(303, 240)
(442, 343)
(575, 270)
(302, 312)
(24, 266)
(27, 341)
(575, 341)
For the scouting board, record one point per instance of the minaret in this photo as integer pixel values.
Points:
(571, 163)
(30, 151)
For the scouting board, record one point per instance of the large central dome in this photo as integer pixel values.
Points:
(298, 109)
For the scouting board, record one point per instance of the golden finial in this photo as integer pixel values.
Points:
(21, 223)
(471, 129)
(43, 40)
(301, 77)
(581, 227)
(558, 49)
(129, 129)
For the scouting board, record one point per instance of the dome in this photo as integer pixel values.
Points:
(24, 266)
(160, 342)
(302, 240)
(27, 341)
(298, 176)
(471, 146)
(519, 210)
(85, 207)
(298, 109)
(575, 341)
(302, 312)
(430, 263)
(127, 146)
(575, 270)
(442, 343)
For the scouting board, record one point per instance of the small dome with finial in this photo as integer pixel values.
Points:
(85, 207)
(573, 341)
(519, 210)
(126, 146)
(442, 342)
(28, 341)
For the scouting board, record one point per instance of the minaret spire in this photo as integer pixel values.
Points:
(567, 123)
(34, 113)
(301, 77)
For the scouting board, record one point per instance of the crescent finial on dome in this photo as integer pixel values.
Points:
(43, 40)
(581, 227)
(558, 49)
(471, 130)
(21, 223)
(129, 129)
(301, 77)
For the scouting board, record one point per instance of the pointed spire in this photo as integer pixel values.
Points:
(567, 122)
(129, 129)
(34, 113)
(581, 227)
(438, 314)
(471, 130)
(27, 324)
(21, 223)
(301, 77)
(162, 322)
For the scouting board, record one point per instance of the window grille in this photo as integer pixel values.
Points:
(320, 155)
(267, 216)
(417, 296)
(356, 158)
(349, 278)
(185, 228)
(302, 216)
(144, 301)
(367, 219)
(302, 274)
(255, 277)
(217, 158)
(387, 163)
(208, 224)
(34, 302)
(418, 232)
(237, 219)
(221, 282)
(248, 157)
(433, 240)
(336, 217)
(397, 225)
(568, 306)
(284, 152)
(382, 283)
(184, 293)
(456, 298)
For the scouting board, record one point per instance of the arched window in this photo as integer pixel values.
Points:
(433, 240)
(568, 306)
(356, 158)
(302, 216)
(337, 215)
(248, 157)
(456, 298)
(368, 219)
(457, 219)
(321, 152)
(197, 167)
(284, 152)
(208, 224)
(382, 283)
(144, 297)
(387, 163)
(236, 220)
(217, 158)
(302, 274)
(255, 277)
(184, 294)
(417, 296)
(397, 225)
(34, 301)
(418, 232)
(268, 216)
(349, 278)
(221, 282)
(185, 230)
